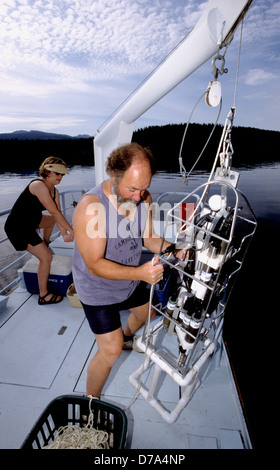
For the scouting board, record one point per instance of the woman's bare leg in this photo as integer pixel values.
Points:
(47, 224)
(44, 256)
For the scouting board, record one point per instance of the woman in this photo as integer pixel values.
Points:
(26, 218)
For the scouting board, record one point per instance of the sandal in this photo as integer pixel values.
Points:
(53, 299)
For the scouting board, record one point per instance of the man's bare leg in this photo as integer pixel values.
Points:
(109, 350)
(137, 319)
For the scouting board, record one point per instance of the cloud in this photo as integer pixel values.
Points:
(83, 57)
(47, 123)
(262, 29)
(52, 52)
(81, 42)
(256, 77)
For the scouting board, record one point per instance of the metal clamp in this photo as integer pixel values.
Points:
(221, 70)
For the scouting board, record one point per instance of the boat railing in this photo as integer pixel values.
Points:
(68, 201)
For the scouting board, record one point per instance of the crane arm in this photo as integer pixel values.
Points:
(214, 29)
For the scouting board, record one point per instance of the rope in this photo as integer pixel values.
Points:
(182, 168)
(238, 65)
(147, 325)
(75, 437)
(185, 176)
(210, 135)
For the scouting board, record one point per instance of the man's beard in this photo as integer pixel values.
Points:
(120, 199)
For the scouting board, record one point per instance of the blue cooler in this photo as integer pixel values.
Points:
(59, 279)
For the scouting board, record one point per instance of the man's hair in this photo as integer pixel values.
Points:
(122, 158)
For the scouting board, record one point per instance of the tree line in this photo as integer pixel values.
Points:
(27, 155)
(251, 146)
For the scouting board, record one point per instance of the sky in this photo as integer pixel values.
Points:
(66, 65)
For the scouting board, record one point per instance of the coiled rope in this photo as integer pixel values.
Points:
(75, 437)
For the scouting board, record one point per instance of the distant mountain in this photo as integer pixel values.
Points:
(22, 150)
(39, 135)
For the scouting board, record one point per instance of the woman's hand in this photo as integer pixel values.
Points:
(67, 237)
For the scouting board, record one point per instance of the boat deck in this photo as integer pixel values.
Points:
(44, 353)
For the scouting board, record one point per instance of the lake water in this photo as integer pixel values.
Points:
(260, 184)
(252, 304)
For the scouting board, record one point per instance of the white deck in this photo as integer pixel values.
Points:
(38, 363)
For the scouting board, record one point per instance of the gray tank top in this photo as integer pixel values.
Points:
(124, 246)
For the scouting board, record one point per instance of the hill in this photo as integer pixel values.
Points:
(38, 135)
(22, 150)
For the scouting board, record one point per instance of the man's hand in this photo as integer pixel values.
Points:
(151, 272)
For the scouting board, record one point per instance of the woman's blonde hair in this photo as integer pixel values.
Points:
(43, 172)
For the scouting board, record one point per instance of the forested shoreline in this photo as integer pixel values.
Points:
(251, 146)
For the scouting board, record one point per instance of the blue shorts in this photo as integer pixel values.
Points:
(106, 318)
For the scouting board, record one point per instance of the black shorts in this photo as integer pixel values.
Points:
(106, 318)
(20, 235)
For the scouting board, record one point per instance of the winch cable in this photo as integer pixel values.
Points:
(232, 112)
(183, 171)
(152, 289)
(147, 325)
(238, 64)
(185, 178)
(182, 168)
(228, 124)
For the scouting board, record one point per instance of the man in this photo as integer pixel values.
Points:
(111, 223)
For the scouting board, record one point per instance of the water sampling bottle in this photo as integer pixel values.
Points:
(195, 322)
(173, 294)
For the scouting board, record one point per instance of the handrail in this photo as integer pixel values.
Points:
(64, 209)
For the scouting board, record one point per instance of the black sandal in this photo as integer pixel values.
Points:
(53, 299)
